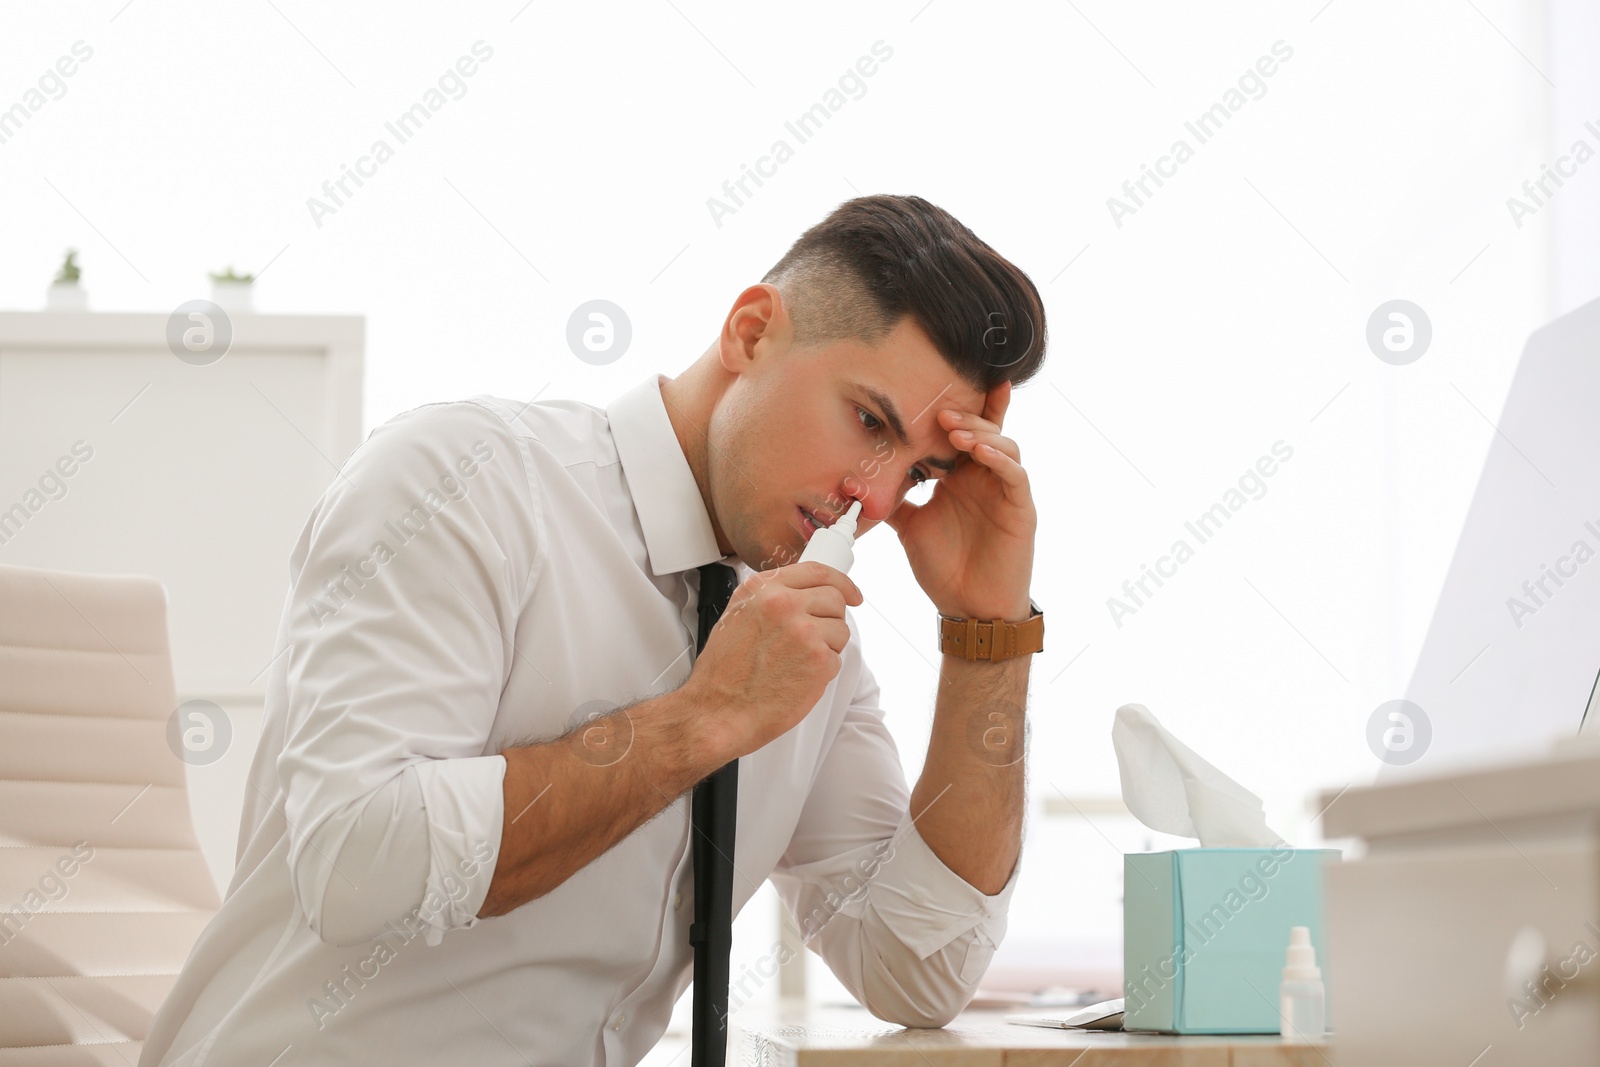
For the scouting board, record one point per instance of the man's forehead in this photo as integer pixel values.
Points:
(922, 377)
(921, 397)
(905, 373)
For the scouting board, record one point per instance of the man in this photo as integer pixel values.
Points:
(466, 837)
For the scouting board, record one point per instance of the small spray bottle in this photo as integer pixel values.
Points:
(833, 545)
(1300, 995)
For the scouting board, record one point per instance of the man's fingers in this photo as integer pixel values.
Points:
(1011, 472)
(811, 573)
(836, 632)
(996, 403)
(822, 601)
(952, 419)
(967, 440)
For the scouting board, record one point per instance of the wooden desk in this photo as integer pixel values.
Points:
(790, 1035)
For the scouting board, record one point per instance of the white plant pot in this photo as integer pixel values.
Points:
(232, 297)
(66, 296)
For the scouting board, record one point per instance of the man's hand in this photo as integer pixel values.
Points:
(971, 545)
(765, 665)
(771, 655)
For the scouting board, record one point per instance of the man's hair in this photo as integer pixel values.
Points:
(877, 259)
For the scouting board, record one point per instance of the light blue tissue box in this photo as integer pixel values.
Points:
(1204, 935)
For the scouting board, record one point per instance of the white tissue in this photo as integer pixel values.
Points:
(1170, 788)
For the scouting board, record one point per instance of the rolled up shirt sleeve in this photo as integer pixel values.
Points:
(904, 933)
(405, 598)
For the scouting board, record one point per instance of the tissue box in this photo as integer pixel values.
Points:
(1205, 932)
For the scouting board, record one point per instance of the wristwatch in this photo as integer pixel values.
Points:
(997, 640)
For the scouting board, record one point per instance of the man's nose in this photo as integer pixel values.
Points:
(877, 494)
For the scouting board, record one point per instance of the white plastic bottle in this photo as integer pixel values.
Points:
(1301, 995)
(834, 545)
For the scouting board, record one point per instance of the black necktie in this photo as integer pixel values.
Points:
(714, 809)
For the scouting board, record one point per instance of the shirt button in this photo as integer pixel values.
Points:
(616, 1024)
(677, 901)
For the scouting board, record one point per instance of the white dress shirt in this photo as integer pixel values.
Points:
(487, 573)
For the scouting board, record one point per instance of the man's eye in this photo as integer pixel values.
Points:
(874, 424)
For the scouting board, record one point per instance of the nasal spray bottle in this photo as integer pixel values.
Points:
(833, 545)
(1300, 996)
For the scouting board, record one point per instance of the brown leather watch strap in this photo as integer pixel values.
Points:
(997, 640)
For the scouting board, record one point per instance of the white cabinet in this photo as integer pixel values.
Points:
(1471, 927)
(116, 456)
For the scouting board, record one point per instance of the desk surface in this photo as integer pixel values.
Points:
(790, 1035)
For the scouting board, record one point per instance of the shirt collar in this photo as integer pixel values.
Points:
(677, 528)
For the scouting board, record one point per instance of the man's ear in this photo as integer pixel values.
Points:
(757, 328)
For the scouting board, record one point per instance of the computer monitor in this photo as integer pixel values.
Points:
(1510, 658)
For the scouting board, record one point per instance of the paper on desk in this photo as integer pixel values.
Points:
(1168, 787)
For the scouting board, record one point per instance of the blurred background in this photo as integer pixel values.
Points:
(1196, 325)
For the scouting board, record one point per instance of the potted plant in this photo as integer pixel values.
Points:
(65, 294)
(231, 291)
